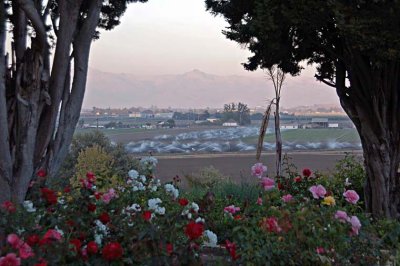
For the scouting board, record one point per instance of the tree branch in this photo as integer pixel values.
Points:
(32, 13)
(320, 78)
(81, 46)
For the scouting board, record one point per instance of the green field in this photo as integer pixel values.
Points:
(312, 135)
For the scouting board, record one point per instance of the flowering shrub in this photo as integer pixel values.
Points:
(298, 219)
(139, 222)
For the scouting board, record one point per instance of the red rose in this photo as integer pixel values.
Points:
(42, 262)
(170, 248)
(231, 247)
(91, 207)
(77, 244)
(92, 247)
(98, 195)
(306, 172)
(90, 177)
(280, 186)
(67, 189)
(183, 202)
(146, 215)
(104, 218)
(112, 251)
(41, 173)
(32, 240)
(8, 206)
(297, 179)
(194, 230)
(49, 195)
(70, 223)
(237, 217)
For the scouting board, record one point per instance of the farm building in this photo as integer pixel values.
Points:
(333, 125)
(230, 123)
(319, 122)
(168, 115)
(289, 126)
(147, 114)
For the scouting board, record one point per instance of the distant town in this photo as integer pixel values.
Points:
(316, 116)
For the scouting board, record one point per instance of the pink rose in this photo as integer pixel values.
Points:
(231, 209)
(318, 191)
(14, 240)
(341, 216)
(10, 260)
(107, 197)
(258, 169)
(320, 250)
(268, 183)
(355, 225)
(287, 198)
(351, 196)
(271, 224)
(259, 201)
(25, 251)
(52, 235)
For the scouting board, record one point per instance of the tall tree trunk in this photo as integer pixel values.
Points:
(382, 189)
(373, 104)
(278, 140)
(31, 98)
(5, 156)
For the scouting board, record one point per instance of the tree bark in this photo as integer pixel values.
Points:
(278, 140)
(5, 156)
(374, 107)
(31, 98)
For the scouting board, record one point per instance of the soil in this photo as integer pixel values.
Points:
(237, 165)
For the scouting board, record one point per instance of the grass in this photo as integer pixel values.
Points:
(111, 132)
(312, 135)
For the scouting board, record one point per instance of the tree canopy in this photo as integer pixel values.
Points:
(355, 46)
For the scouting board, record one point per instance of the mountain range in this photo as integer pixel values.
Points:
(197, 89)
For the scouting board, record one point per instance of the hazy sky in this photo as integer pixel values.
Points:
(173, 37)
(168, 37)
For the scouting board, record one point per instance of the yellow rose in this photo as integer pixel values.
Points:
(330, 201)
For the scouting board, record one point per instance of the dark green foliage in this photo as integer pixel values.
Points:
(287, 32)
(240, 113)
(355, 48)
(123, 162)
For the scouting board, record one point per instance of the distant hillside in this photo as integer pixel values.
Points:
(196, 89)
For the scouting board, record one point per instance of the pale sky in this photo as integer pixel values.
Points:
(176, 36)
(168, 37)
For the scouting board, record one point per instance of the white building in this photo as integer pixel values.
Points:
(230, 123)
(289, 126)
(169, 115)
(333, 125)
(135, 115)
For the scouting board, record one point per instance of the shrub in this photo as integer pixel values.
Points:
(122, 161)
(102, 164)
(291, 221)
(138, 223)
(207, 178)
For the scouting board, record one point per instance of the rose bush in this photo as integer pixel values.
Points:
(140, 222)
(296, 219)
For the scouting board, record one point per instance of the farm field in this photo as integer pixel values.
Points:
(237, 165)
(314, 135)
(186, 151)
(208, 139)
